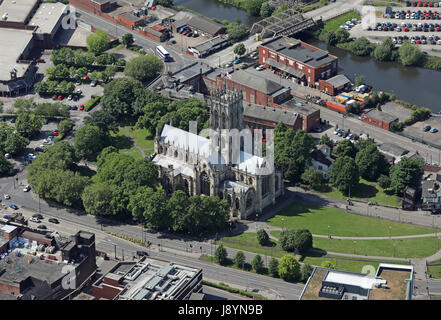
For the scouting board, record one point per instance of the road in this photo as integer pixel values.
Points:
(170, 247)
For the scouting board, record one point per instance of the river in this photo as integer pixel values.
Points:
(414, 85)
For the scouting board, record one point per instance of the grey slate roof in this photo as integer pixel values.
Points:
(393, 149)
(296, 73)
(338, 81)
(267, 113)
(205, 25)
(210, 43)
(430, 184)
(259, 83)
(380, 115)
(318, 156)
(130, 16)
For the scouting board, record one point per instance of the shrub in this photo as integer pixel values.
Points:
(92, 102)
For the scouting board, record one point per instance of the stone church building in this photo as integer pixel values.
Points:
(201, 166)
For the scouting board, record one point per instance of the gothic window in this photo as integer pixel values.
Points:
(265, 185)
(205, 184)
(229, 200)
(249, 201)
(216, 119)
(221, 195)
(277, 183)
(224, 121)
(187, 189)
(250, 181)
(237, 204)
(241, 177)
(176, 153)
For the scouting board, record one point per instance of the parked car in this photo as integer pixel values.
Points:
(434, 130)
(7, 216)
(260, 68)
(237, 61)
(13, 206)
(27, 188)
(6, 196)
(53, 220)
(81, 107)
(37, 215)
(426, 128)
(55, 133)
(93, 83)
(42, 226)
(34, 219)
(74, 108)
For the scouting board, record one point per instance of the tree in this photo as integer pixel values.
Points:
(127, 39)
(313, 178)
(406, 173)
(360, 80)
(342, 36)
(306, 272)
(98, 42)
(344, 174)
(384, 181)
(143, 68)
(361, 47)
(262, 237)
(324, 139)
(239, 49)
(384, 51)
(287, 240)
(178, 203)
(345, 148)
(109, 73)
(257, 264)
(371, 163)
(220, 255)
(166, 3)
(105, 59)
(65, 126)
(151, 207)
(273, 268)
(409, 54)
(103, 120)
(97, 197)
(253, 7)
(236, 31)
(331, 38)
(89, 141)
(289, 268)
(266, 10)
(23, 104)
(14, 144)
(303, 240)
(6, 167)
(28, 125)
(239, 259)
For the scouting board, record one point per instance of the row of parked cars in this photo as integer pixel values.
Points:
(429, 128)
(186, 31)
(418, 39)
(349, 24)
(416, 15)
(346, 135)
(423, 4)
(406, 27)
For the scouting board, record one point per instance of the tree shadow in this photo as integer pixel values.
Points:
(364, 190)
(85, 171)
(121, 142)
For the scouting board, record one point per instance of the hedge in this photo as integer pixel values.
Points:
(226, 287)
(92, 103)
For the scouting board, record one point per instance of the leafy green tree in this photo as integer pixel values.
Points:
(151, 206)
(313, 178)
(345, 148)
(103, 120)
(384, 181)
(253, 7)
(127, 39)
(289, 268)
(23, 104)
(406, 172)
(239, 49)
(6, 167)
(326, 140)
(14, 144)
(306, 272)
(28, 125)
(384, 51)
(371, 163)
(287, 240)
(65, 126)
(344, 174)
(236, 31)
(101, 158)
(97, 197)
(257, 264)
(166, 3)
(109, 72)
(303, 240)
(266, 10)
(98, 42)
(262, 237)
(178, 204)
(342, 36)
(273, 268)
(409, 54)
(331, 38)
(143, 68)
(105, 59)
(361, 47)
(362, 144)
(89, 141)
(360, 80)
(220, 255)
(239, 259)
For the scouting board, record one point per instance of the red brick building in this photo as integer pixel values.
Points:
(378, 118)
(257, 90)
(333, 85)
(130, 20)
(263, 117)
(95, 5)
(297, 59)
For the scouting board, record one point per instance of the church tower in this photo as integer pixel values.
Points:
(226, 109)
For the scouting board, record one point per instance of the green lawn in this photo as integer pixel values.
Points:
(334, 24)
(368, 191)
(435, 297)
(314, 6)
(341, 264)
(127, 146)
(302, 215)
(140, 136)
(435, 271)
(122, 142)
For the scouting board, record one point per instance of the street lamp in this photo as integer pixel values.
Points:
(329, 232)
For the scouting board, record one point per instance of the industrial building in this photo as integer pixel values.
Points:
(302, 62)
(334, 85)
(148, 279)
(47, 21)
(35, 265)
(17, 13)
(391, 282)
(379, 119)
(202, 25)
(208, 47)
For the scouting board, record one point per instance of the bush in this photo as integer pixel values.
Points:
(262, 237)
(220, 255)
(92, 103)
(384, 181)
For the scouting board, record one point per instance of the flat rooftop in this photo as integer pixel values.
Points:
(16, 10)
(47, 17)
(296, 50)
(10, 53)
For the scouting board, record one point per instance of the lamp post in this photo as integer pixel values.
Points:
(329, 232)
(354, 245)
(394, 248)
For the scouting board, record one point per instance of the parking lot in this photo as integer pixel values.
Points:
(416, 130)
(180, 42)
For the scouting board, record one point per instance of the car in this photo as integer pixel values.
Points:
(27, 188)
(6, 196)
(53, 220)
(7, 216)
(434, 130)
(81, 107)
(35, 219)
(237, 61)
(93, 83)
(260, 68)
(190, 34)
(340, 134)
(42, 226)
(78, 82)
(336, 131)
(41, 61)
(185, 32)
(74, 108)
(78, 91)
(69, 97)
(228, 64)
(427, 128)
(55, 133)
(37, 215)
(172, 42)
(13, 206)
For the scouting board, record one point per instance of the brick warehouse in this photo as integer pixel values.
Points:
(378, 118)
(95, 5)
(301, 61)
